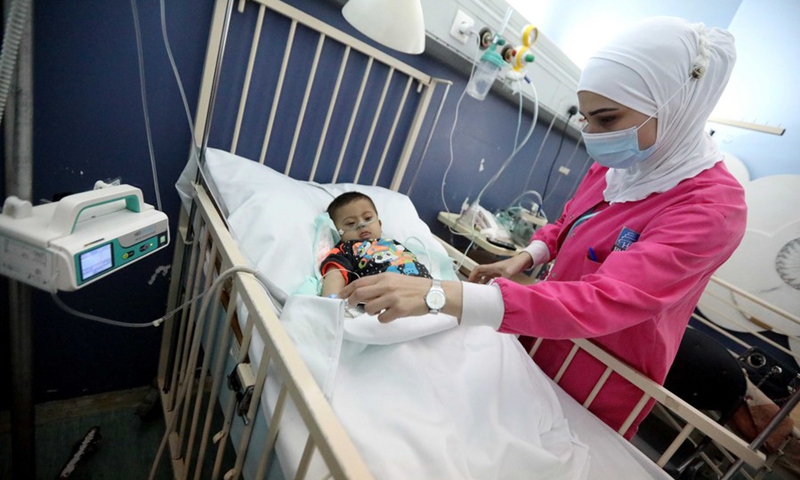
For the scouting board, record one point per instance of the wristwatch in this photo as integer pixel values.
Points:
(435, 299)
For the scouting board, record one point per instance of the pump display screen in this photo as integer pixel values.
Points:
(96, 261)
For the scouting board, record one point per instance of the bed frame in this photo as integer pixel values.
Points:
(190, 377)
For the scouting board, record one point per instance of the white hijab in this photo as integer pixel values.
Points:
(676, 70)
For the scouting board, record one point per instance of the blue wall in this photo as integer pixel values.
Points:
(485, 131)
(89, 125)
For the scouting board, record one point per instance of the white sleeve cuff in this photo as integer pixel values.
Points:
(481, 305)
(539, 252)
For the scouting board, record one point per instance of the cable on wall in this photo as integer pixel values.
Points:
(558, 151)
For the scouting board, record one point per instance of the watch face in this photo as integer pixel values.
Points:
(435, 299)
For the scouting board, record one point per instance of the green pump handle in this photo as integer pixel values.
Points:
(70, 208)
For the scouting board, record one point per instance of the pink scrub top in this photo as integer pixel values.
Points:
(634, 300)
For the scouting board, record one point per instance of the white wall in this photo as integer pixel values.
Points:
(554, 74)
(761, 90)
(763, 87)
(764, 81)
(578, 27)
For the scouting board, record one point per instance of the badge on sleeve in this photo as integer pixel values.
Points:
(625, 239)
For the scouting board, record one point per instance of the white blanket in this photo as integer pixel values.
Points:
(421, 399)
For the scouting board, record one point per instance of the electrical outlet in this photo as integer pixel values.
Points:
(563, 170)
(461, 27)
(569, 105)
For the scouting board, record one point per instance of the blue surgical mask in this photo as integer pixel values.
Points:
(617, 149)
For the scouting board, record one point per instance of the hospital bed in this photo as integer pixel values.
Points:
(257, 382)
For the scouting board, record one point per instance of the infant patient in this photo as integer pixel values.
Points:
(361, 250)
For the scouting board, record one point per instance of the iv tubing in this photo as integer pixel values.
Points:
(505, 21)
(505, 164)
(521, 195)
(144, 103)
(518, 147)
(453, 129)
(194, 348)
(177, 74)
(196, 152)
(156, 323)
(541, 147)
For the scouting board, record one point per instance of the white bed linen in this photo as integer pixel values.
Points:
(271, 216)
(612, 457)
(450, 403)
(355, 377)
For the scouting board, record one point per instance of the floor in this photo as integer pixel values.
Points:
(654, 437)
(130, 440)
(126, 450)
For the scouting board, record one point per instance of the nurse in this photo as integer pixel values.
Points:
(653, 218)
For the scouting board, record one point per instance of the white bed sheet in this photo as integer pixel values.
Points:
(427, 399)
(611, 456)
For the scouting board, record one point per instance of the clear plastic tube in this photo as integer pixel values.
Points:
(508, 160)
(505, 21)
(165, 37)
(541, 147)
(518, 147)
(144, 104)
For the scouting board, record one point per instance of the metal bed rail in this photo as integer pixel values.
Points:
(315, 103)
(202, 339)
(720, 300)
(736, 450)
(347, 104)
(733, 447)
(695, 420)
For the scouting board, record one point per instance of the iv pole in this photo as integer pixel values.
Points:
(19, 182)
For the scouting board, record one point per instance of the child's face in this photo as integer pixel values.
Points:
(354, 214)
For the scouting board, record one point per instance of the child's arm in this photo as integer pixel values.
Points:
(333, 282)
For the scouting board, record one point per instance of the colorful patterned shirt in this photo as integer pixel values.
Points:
(360, 258)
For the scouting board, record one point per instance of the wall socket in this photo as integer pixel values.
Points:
(461, 27)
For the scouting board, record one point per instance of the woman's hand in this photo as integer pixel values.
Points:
(392, 296)
(505, 268)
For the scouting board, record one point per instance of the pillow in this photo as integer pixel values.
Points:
(272, 217)
(185, 181)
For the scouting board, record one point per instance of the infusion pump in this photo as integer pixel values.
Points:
(80, 239)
